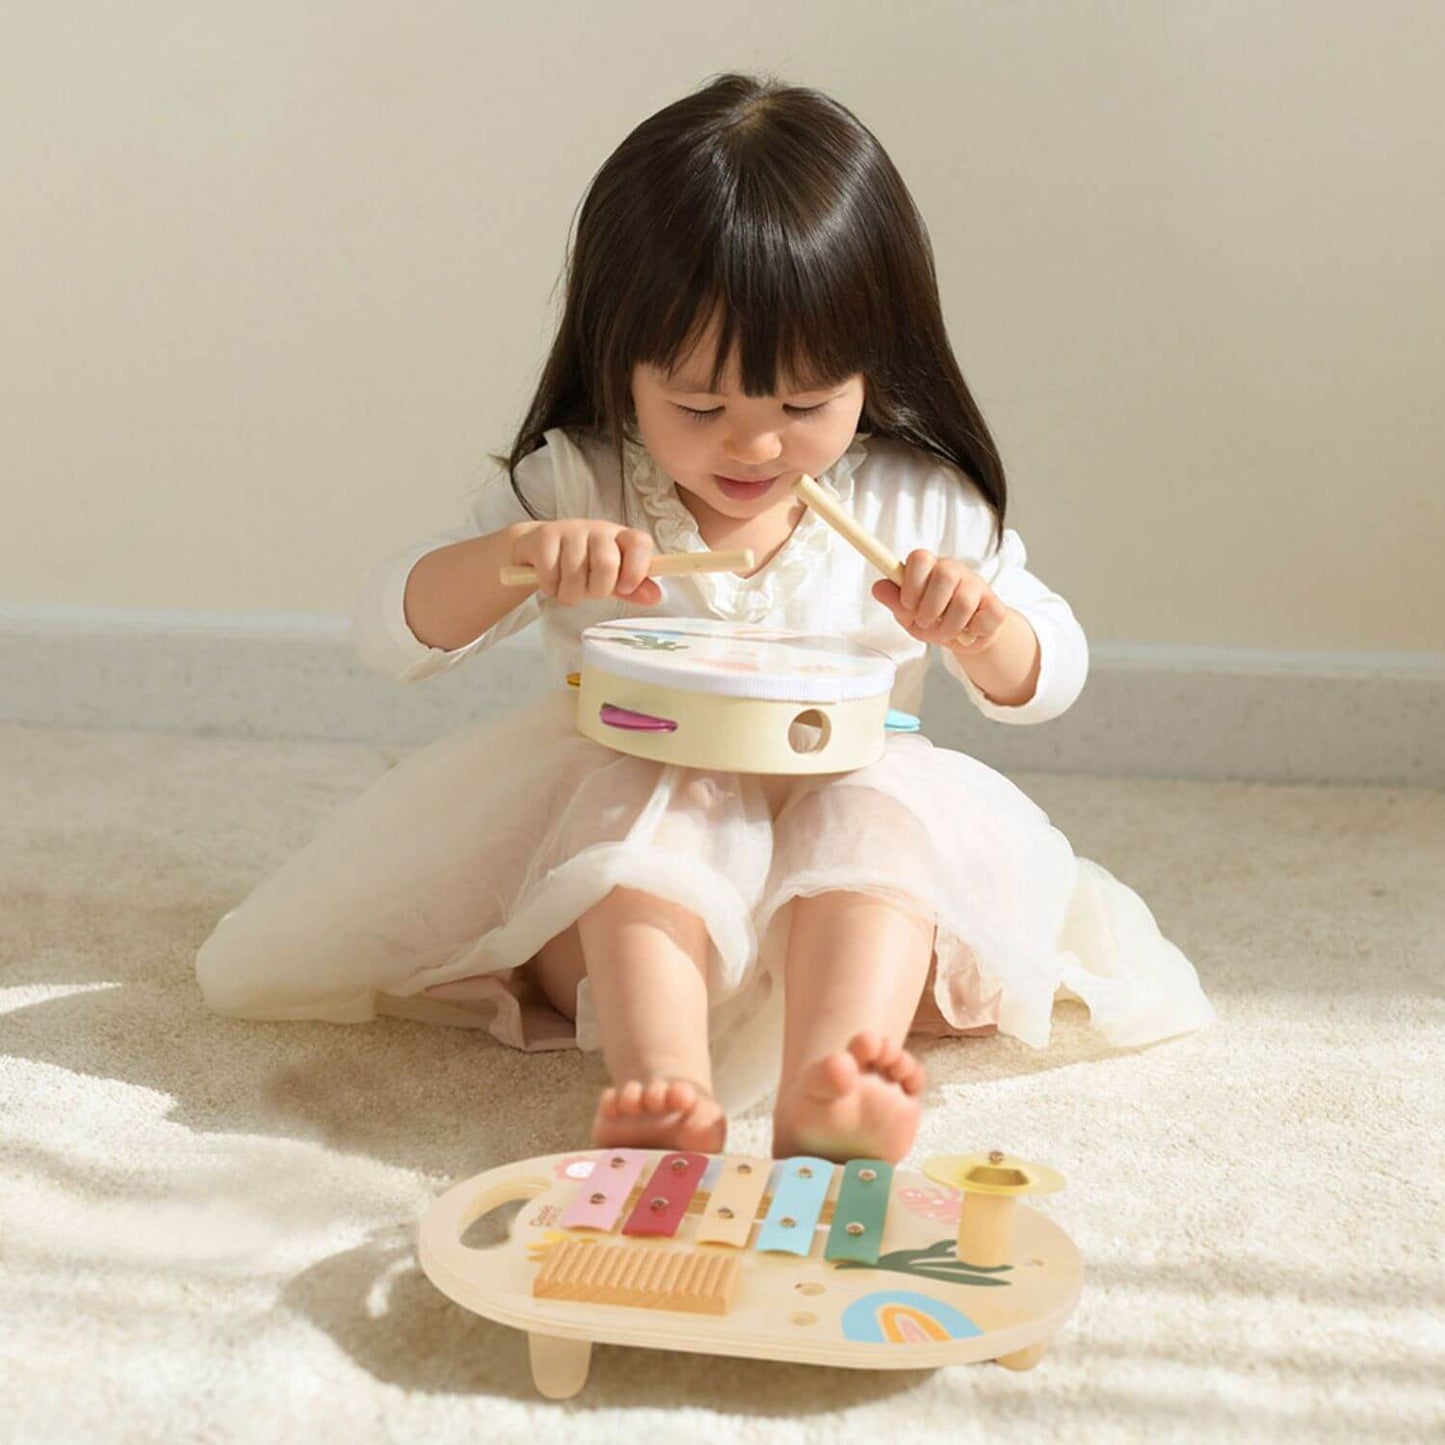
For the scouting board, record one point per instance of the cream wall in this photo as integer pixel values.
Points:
(278, 275)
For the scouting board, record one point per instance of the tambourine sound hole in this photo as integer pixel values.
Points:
(809, 732)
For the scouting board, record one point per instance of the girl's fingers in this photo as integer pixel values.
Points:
(645, 594)
(989, 617)
(545, 566)
(604, 563)
(942, 593)
(572, 570)
(957, 615)
(632, 576)
(916, 571)
(964, 615)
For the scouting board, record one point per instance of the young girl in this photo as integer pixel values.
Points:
(751, 296)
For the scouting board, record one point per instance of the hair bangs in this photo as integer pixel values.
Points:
(794, 319)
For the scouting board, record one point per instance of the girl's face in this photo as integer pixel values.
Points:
(735, 456)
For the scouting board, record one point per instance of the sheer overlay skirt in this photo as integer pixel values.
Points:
(428, 895)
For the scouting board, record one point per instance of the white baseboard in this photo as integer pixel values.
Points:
(1147, 711)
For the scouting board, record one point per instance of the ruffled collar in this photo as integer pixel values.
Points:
(727, 594)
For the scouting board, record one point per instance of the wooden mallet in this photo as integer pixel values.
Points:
(663, 564)
(849, 530)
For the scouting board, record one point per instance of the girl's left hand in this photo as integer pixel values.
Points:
(943, 602)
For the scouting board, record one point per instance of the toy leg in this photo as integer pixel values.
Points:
(1024, 1359)
(559, 1366)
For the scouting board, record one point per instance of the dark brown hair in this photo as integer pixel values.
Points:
(775, 209)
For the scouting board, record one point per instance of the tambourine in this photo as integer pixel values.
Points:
(704, 693)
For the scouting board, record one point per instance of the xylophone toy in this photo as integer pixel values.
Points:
(863, 1264)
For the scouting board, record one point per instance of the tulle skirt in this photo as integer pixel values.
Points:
(428, 896)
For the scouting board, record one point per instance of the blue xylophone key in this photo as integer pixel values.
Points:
(800, 1185)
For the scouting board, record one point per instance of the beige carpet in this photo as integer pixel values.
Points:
(209, 1226)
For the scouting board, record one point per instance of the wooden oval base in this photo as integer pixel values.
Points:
(918, 1307)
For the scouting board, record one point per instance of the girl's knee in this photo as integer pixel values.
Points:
(637, 905)
(643, 913)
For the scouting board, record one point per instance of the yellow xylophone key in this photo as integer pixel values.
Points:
(733, 1203)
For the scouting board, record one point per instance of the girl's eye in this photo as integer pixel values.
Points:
(696, 415)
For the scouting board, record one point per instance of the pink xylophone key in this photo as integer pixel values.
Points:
(601, 1196)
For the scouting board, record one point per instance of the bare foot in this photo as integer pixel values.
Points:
(664, 1114)
(861, 1103)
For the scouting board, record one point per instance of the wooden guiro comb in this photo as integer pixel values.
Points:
(693, 1280)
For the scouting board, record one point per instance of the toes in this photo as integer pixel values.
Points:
(659, 1096)
(901, 1067)
(866, 1046)
(836, 1075)
(881, 1055)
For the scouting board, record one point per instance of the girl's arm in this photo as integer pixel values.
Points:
(1002, 687)
(1034, 665)
(425, 609)
(1006, 667)
(453, 595)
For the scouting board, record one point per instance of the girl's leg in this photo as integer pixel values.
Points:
(560, 967)
(855, 968)
(646, 960)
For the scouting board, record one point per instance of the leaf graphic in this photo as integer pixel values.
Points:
(935, 1261)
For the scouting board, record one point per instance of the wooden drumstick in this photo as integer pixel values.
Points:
(849, 530)
(663, 564)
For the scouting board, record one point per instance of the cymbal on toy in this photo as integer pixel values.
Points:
(990, 1182)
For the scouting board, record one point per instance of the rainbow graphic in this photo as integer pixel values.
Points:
(902, 1317)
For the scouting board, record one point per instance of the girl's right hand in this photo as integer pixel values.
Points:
(578, 558)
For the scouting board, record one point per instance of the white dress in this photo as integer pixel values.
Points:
(429, 894)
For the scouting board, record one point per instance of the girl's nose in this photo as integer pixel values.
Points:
(754, 451)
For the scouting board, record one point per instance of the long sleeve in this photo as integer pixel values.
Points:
(1063, 648)
(379, 630)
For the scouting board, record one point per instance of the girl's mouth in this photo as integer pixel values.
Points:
(743, 491)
